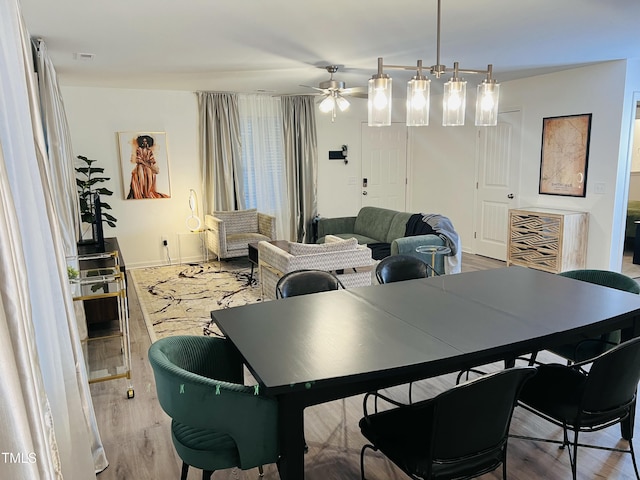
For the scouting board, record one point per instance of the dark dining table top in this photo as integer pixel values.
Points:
(421, 327)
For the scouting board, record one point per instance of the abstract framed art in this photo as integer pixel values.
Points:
(565, 155)
(145, 165)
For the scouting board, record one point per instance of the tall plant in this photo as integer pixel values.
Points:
(87, 182)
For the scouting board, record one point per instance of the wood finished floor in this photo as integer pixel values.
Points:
(137, 440)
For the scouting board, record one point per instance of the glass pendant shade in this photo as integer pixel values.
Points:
(327, 104)
(454, 103)
(342, 103)
(379, 103)
(418, 90)
(487, 104)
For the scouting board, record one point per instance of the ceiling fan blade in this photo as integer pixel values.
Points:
(354, 91)
(299, 94)
(315, 88)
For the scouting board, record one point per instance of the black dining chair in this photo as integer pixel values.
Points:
(590, 347)
(304, 282)
(398, 268)
(461, 433)
(586, 401)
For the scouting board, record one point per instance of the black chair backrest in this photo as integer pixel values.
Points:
(304, 282)
(474, 417)
(613, 378)
(398, 268)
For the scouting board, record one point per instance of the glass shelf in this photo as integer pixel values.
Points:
(98, 283)
(107, 346)
(108, 359)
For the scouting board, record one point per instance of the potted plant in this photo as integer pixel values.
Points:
(87, 181)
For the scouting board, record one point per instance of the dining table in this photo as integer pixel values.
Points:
(312, 349)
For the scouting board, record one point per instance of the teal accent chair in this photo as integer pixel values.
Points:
(217, 421)
(588, 347)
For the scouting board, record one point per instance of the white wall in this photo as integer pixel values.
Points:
(441, 166)
(95, 115)
(574, 92)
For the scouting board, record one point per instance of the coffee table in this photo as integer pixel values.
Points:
(253, 253)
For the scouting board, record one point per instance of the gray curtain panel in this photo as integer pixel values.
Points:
(220, 150)
(301, 158)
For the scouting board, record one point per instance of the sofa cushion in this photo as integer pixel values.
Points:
(312, 248)
(398, 226)
(374, 222)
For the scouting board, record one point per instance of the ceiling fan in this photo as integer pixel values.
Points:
(333, 93)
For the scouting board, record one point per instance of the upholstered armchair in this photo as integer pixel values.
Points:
(228, 234)
(350, 262)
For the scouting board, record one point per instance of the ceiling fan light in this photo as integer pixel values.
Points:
(342, 103)
(418, 89)
(327, 105)
(487, 104)
(379, 102)
(454, 103)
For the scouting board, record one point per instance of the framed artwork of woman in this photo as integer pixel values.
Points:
(145, 166)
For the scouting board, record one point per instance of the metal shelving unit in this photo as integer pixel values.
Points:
(108, 344)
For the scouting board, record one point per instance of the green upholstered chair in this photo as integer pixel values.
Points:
(589, 347)
(217, 421)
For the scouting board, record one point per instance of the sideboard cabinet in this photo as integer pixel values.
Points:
(546, 239)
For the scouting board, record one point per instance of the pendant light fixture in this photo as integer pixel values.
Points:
(418, 90)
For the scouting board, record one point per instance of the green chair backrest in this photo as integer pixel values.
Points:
(199, 381)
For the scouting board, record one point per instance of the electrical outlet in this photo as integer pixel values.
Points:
(165, 242)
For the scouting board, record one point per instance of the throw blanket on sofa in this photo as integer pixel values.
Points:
(443, 227)
(416, 226)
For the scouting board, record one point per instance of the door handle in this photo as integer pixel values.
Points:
(510, 196)
(365, 193)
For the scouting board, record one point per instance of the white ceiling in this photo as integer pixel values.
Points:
(276, 45)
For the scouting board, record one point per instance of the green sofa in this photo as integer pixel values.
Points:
(375, 225)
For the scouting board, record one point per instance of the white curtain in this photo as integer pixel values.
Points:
(61, 177)
(262, 168)
(61, 159)
(42, 419)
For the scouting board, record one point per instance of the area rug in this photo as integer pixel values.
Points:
(178, 299)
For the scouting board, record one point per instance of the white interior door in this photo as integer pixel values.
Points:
(498, 162)
(384, 166)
